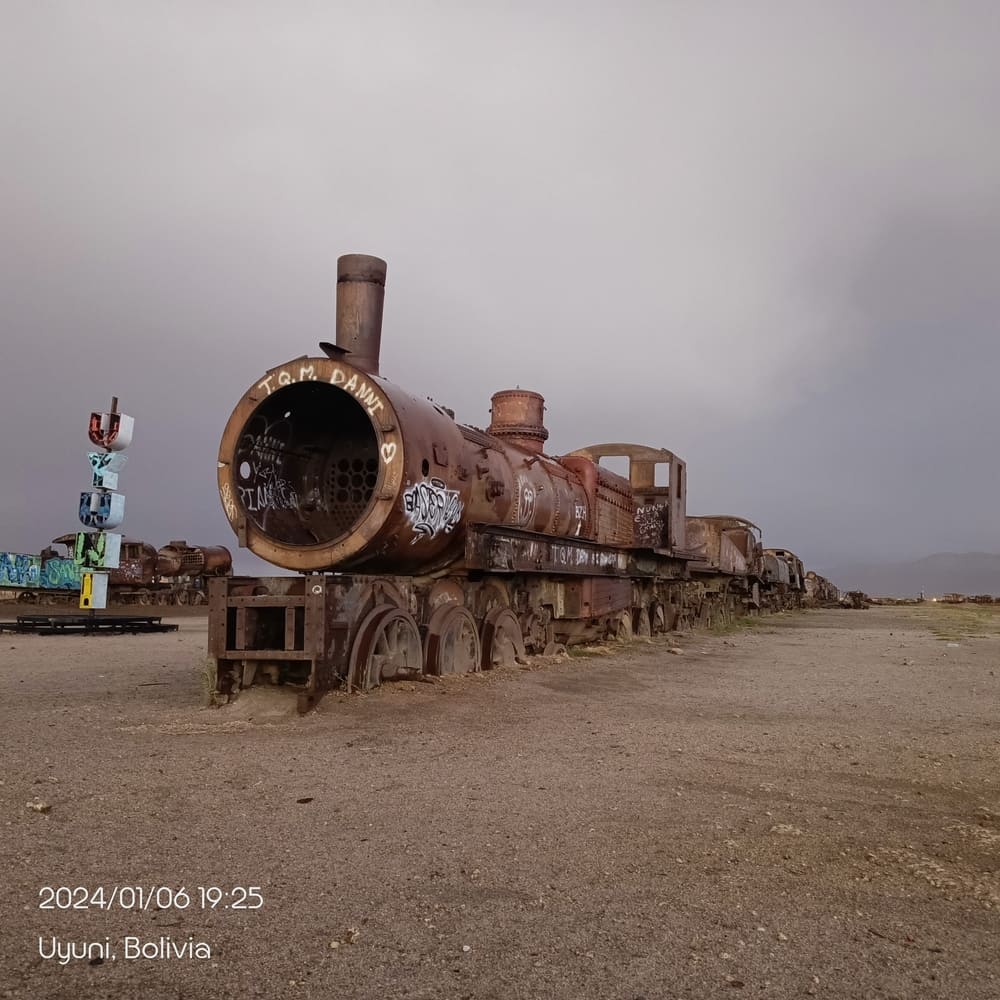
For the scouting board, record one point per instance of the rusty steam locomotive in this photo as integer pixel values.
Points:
(427, 546)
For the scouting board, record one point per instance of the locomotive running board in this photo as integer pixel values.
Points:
(502, 549)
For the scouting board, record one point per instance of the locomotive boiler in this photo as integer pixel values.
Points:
(428, 546)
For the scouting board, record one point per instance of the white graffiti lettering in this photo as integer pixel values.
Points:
(362, 391)
(260, 458)
(388, 451)
(306, 373)
(525, 501)
(367, 395)
(228, 503)
(278, 494)
(431, 508)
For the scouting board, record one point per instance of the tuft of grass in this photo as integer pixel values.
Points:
(953, 622)
(207, 681)
(743, 623)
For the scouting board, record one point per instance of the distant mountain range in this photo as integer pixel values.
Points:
(943, 573)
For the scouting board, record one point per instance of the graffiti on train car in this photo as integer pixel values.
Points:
(18, 570)
(60, 574)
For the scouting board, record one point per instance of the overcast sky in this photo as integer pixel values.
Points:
(765, 236)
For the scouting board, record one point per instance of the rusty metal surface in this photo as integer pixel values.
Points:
(725, 544)
(360, 296)
(795, 569)
(509, 550)
(775, 569)
(386, 647)
(177, 558)
(452, 644)
(500, 639)
(660, 509)
(819, 590)
(518, 417)
(413, 530)
(595, 596)
(323, 466)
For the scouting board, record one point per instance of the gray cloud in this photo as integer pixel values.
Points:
(763, 236)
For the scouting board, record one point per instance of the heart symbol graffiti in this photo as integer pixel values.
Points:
(388, 451)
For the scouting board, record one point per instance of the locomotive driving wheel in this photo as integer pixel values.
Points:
(502, 642)
(452, 645)
(620, 627)
(657, 619)
(641, 621)
(386, 647)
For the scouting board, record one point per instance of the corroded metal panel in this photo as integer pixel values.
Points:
(794, 568)
(595, 596)
(725, 544)
(506, 550)
(775, 569)
(325, 467)
(658, 480)
(177, 558)
(517, 417)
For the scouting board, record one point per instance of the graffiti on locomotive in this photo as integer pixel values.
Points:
(525, 501)
(262, 457)
(431, 508)
(366, 394)
(262, 449)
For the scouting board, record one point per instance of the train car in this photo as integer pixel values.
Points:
(175, 574)
(730, 555)
(820, 592)
(784, 580)
(422, 545)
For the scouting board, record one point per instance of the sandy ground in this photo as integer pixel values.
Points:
(807, 808)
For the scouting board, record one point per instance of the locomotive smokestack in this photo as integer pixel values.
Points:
(360, 294)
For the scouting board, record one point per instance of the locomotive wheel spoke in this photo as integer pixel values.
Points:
(502, 642)
(623, 627)
(386, 646)
(641, 618)
(452, 645)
